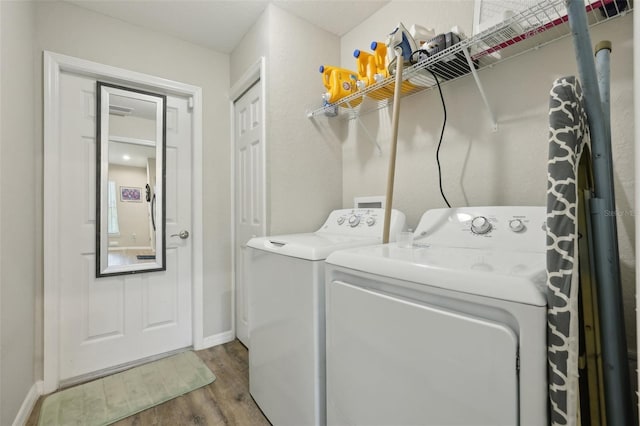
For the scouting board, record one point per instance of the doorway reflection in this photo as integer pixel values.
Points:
(132, 203)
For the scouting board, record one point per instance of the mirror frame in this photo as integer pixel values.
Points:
(103, 93)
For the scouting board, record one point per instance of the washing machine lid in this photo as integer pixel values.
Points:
(311, 246)
(343, 229)
(506, 275)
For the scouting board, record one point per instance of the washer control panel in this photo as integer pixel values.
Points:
(480, 225)
(354, 220)
(516, 227)
(365, 222)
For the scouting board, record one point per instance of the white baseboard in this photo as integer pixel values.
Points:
(28, 403)
(217, 339)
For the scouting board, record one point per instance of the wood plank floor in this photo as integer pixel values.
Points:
(226, 401)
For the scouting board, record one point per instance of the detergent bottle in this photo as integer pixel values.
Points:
(339, 83)
(382, 69)
(380, 57)
(367, 70)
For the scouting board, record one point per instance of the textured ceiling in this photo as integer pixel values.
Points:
(220, 25)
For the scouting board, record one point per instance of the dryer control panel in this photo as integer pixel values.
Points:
(519, 228)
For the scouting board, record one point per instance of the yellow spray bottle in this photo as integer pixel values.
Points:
(339, 83)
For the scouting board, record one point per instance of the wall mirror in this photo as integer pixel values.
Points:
(130, 196)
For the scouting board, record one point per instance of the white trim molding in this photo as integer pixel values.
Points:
(29, 402)
(254, 73)
(197, 222)
(218, 339)
(54, 64)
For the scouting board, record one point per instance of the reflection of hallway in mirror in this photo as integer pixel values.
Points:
(130, 256)
(133, 215)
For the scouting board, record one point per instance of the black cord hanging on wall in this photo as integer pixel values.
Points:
(416, 57)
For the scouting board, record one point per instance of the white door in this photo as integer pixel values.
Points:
(249, 192)
(106, 322)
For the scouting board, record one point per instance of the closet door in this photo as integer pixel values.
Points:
(249, 193)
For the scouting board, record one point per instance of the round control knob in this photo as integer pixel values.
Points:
(340, 220)
(516, 225)
(371, 221)
(354, 221)
(480, 225)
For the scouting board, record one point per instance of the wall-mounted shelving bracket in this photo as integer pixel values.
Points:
(373, 140)
(483, 95)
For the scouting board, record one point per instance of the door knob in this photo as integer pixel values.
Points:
(184, 234)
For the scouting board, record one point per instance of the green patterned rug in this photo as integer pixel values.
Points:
(121, 395)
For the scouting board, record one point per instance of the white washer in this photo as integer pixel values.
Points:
(286, 312)
(451, 331)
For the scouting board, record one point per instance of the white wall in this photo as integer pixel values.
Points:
(304, 168)
(18, 260)
(253, 45)
(481, 167)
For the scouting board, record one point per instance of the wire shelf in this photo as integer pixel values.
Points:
(529, 29)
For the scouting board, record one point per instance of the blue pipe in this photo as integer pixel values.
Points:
(614, 345)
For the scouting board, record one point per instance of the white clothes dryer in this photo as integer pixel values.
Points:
(450, 331)
(286, 312)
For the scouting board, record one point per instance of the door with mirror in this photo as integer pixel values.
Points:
(125, 283)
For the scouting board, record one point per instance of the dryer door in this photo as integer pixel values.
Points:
(396, 361)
